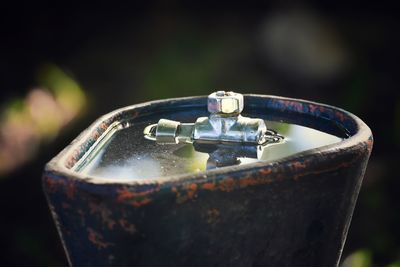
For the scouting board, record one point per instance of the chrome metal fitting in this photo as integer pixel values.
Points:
(225, 103)
(224, 125)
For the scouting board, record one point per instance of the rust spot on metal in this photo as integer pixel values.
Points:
(342, 165)
(175, 190)
(95, 135)
(104, 212)
(97, 239)
(179, 197)
(70, 189)
(128, 227)
(104, 126)
(126, 194)
(192, 188)
(136, 199)
(73, 158)
(250, 181)
(245, 182)
(227, 185)
(209, 186)
(55, 184)
(190, 194)
(230, 184)
(298, 165)
(139, 203)
(52, 184)
(265, 171)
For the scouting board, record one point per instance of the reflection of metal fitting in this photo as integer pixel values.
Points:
(224, 125)
(227, 103)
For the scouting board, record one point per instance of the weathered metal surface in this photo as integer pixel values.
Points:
(292, 212)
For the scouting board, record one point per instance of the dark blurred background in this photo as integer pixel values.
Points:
(63, 65)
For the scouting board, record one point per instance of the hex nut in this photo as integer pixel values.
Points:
(222, 102)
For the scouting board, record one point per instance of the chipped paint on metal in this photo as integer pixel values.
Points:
(209, 186)
(104, 213)
(128, 227)
(97, 239)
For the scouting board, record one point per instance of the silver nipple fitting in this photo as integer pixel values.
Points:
(224, 125)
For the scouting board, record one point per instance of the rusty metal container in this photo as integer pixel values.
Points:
(291, 209)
